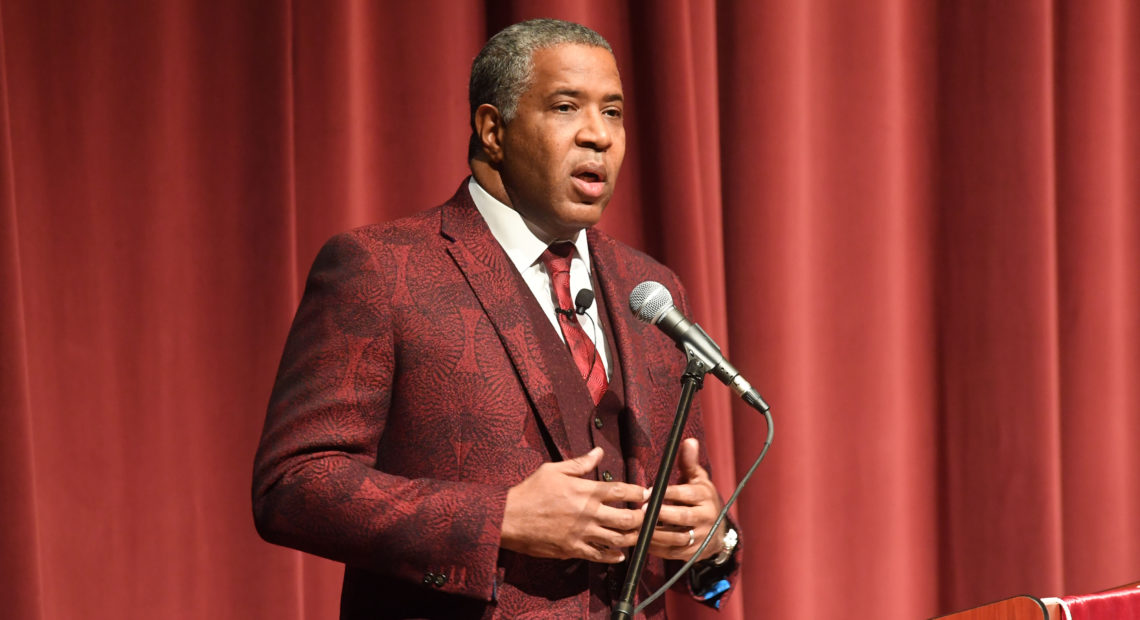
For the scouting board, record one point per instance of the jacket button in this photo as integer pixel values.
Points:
(607, 476)
(440, 579)
(597, 421)
(429, 578)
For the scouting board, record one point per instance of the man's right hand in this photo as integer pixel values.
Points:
(555, 513)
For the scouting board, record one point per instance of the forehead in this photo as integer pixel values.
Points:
(580, 67)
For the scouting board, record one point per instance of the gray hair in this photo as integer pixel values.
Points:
(504, 68)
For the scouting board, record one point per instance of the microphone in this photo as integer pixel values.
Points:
(653, 304)
(582, 302)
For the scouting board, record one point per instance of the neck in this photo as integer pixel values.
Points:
(488, 178)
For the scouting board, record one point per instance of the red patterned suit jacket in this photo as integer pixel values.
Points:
(412, 394)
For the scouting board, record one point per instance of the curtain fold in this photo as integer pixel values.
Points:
(826, 177)
(1098, 154)
(997, 300)
(20, 585)
(913, 226)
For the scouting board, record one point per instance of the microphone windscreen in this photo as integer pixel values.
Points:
(584, 299)
(649, 300)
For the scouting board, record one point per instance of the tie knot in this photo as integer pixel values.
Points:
(557, 257)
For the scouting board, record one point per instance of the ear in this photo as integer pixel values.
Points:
(489, 127)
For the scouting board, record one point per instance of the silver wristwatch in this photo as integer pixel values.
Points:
(728, 545)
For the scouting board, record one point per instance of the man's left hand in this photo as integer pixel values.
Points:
(691, 506)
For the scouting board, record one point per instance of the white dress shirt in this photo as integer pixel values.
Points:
(525, 249)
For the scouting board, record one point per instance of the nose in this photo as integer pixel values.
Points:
(595, 132)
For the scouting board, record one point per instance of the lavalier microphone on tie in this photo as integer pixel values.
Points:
(582, 302)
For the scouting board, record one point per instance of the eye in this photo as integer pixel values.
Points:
(563, 107)
(612, 112)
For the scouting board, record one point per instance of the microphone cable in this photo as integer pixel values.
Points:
(716, 524)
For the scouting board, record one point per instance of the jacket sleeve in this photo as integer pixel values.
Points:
(316, 486)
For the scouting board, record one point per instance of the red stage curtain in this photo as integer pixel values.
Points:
(913, 225)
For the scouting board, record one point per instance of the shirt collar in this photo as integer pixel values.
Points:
(509, 228)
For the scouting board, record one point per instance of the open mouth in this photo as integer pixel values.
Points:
(590, 179)
(591, 185)
(590, 172)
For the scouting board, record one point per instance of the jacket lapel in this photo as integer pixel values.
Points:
(512, 312)
(630, 338)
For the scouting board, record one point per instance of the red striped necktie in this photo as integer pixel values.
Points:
(556, 258)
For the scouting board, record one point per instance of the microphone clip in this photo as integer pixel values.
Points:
(582, 302)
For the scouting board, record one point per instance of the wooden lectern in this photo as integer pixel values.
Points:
(1016, 608)
(1120, 603)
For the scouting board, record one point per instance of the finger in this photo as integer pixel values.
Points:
(690, 494)
(620, 520)
(675, 539)
(666, 552)
(681, 516)
(616, 492)
(600, 553)
(605, 537)
(690, 460)
(671, 551)
(581, 465)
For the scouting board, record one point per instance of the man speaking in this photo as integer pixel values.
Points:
(454, 419)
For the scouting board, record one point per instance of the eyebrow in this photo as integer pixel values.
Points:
(570, 92)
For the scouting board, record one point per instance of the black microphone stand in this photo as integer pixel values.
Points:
(691, 381)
